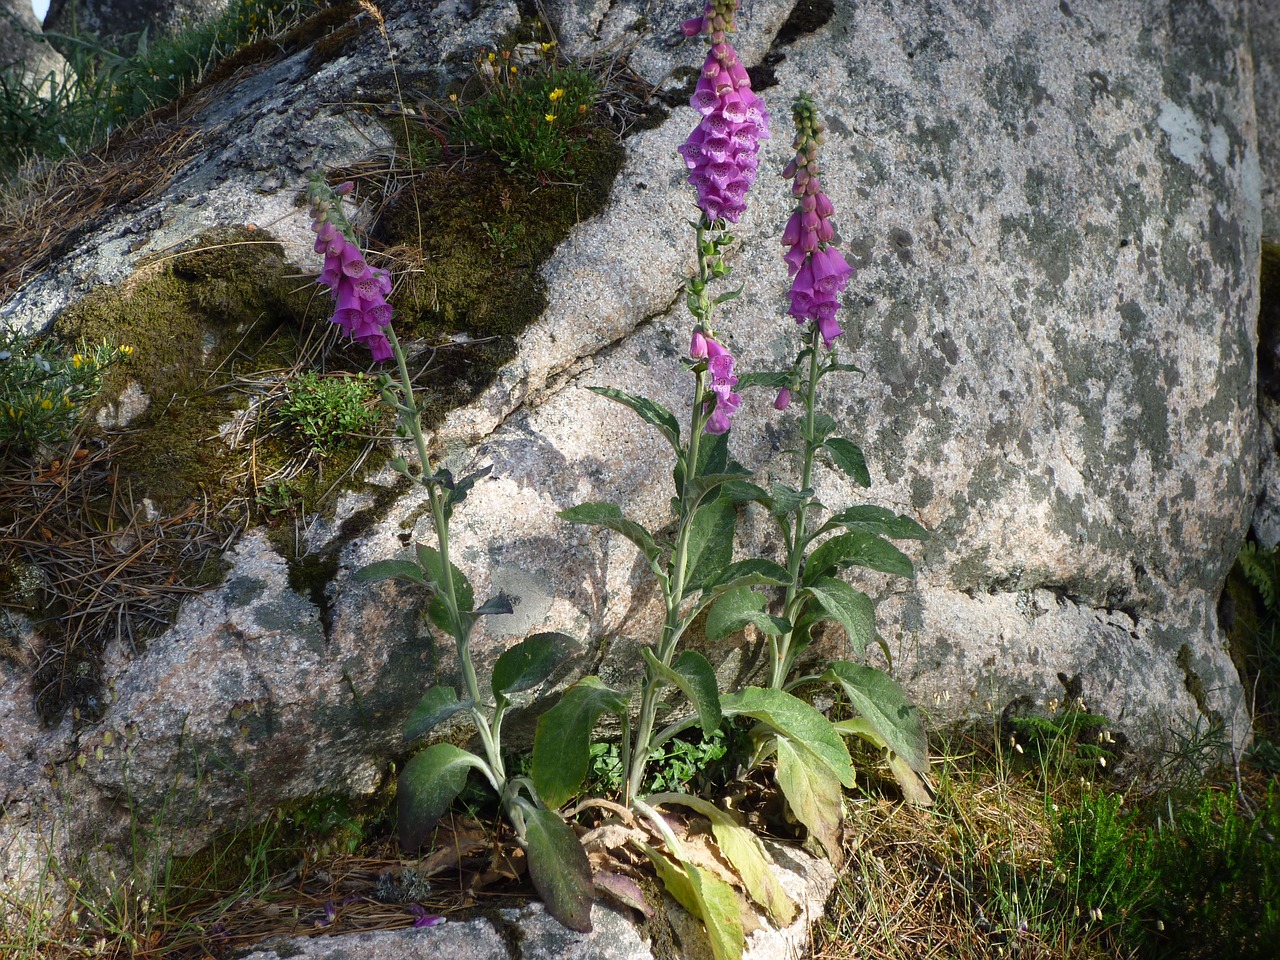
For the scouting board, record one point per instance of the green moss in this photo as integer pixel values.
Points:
(224, 307)
(483, 235)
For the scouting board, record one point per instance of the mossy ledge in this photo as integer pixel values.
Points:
(467, 245)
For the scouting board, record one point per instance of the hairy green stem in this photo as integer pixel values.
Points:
(782, 652)
(459, 625)
(672, 628)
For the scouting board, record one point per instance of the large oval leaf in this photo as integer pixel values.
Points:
(696, 678)
(710, 542)
(737, 608)
(858, 548)
(427, 785)
(885, 705)
(743, 849)
(436, 706)
(852, 609)
(794, 718)
(813, 794)
(878, 520)
(708, 898)
(529, 662)
(562, 745)
(558, 867)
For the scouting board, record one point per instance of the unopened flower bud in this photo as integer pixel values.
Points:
(784, 399)
(698, 345)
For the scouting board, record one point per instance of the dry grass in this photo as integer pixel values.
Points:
(971, 877)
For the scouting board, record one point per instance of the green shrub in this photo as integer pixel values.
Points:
(329, 411)
(531, 115)
(43, 391)
(1201, 878)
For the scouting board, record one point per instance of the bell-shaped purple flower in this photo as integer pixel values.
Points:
(819, 271)
(359, 291)
(721, 151)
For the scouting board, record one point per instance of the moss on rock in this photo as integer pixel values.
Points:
(472, 242)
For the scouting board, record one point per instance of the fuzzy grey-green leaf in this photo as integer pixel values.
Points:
(559, 868)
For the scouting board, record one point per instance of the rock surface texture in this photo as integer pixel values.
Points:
(122, 18)
(1054, 212)
(21, 47)
(537, 936)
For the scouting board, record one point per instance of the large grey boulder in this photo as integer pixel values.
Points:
(1055, 215)
(22, 49)
(122, 18)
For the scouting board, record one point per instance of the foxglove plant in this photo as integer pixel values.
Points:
(694, 568)
(434, 777)
(814, 591)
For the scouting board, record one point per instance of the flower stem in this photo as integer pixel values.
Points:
(459, 624)
(791, 607)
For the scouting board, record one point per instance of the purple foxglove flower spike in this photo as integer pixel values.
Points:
(720, 367)
(359, 291)
(819, 271)
(721, 151)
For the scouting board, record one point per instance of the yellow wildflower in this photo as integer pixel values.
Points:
(493, 57)
(127, 351)
(46, 404)
(555, 94)
(453, 98)
(77, 360)
(551, 117)
(513, 70)
(546, 47)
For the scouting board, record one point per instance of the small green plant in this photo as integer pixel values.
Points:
(44, 388)
(327, 412)
(531, 114)
(1203, 875)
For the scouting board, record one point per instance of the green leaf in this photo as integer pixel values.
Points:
(388, 569)
(438, 610)
(846, 455)
(710, 542)
(744, 851)
(740, 491)
(850, 608)
(562, 744)
(651, 413)
(737, 608)
(824, 426)
(784, 499)
(773, 379)
(529, 662)
(456, 493)
(558, 867)
(754, 571)
(879, 520)
(856, 549)
(708, 898)
(704, 484)
(885, 705)
(915, 788)
(713, 458)
(793, 718)
(495, 606)
(696, 679)
(813, 794)
(427, 785)
(726, 297)
(609, 516)
(436, 706)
